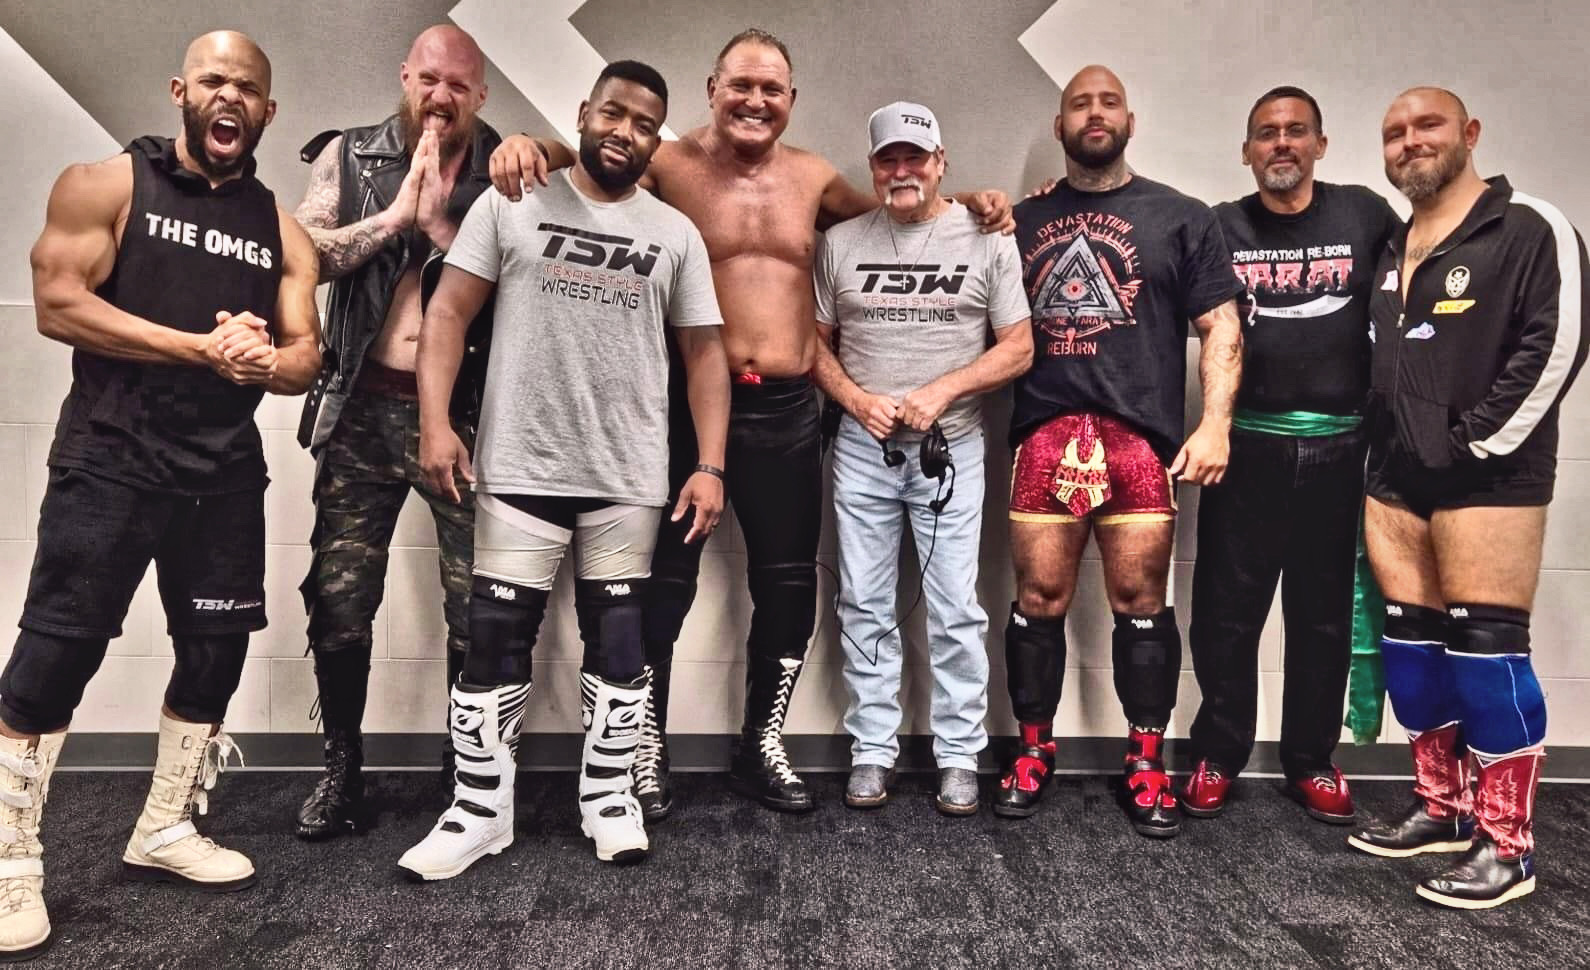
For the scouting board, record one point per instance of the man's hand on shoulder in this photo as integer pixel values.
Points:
(992, 209)
(521, 163)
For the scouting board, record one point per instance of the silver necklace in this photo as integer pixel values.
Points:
(895, 245)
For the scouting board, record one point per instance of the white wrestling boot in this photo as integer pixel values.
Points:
(25, 768)
(165, 847)
(485, 731)
(609, 813)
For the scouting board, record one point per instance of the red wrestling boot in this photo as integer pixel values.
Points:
(1022, 787)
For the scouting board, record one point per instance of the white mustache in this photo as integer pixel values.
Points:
(905, 184)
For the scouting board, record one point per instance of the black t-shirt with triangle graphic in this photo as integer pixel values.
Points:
(1113, 279)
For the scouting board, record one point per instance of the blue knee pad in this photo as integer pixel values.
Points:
(1418, 676)
(1502, 704)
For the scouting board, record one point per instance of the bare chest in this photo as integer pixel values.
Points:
(769, 215)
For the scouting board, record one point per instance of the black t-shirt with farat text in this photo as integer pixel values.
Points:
(1305, 309)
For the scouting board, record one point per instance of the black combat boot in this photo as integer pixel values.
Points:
(337, 803)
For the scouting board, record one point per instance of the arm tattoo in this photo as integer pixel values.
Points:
(341, 249)
(1220, 359)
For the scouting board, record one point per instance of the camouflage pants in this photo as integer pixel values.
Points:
(361, 481)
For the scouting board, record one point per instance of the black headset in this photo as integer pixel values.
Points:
(935, 460)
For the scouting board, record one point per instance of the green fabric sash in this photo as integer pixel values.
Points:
(1366, 678)
(1300, 424)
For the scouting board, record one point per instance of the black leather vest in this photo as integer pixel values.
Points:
(373, 164)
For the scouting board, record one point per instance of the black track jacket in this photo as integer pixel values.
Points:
(1493, 334)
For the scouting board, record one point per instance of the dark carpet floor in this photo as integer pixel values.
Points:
(730, 884)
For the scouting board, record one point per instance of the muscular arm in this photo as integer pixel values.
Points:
(841, 200)
(458, 298)
(1203, 457)
(297, 317)
(343, 249)
(75, 254)
(1008, 359)
(1220, 361)
(707, 383)
(521, 163)
(707, 380)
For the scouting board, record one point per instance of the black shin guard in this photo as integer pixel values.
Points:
(343, 678)
(1035, 665)
(504, 619)
(610, 617)
(784, 601)
(45, 678)
(1147, 656)
(206, 675)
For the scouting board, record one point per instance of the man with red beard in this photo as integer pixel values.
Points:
(383, 205)
(186, 294)
(1478, 320)
(756, 201)
(1116, 266)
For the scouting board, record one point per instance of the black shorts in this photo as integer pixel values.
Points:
(97, 537)
(1524, 478)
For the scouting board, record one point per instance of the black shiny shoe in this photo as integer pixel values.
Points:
(337, 804)
(1414, 832)
(1481, 879)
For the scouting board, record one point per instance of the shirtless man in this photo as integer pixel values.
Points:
(186, 294)
(756, 201)
(383, 204)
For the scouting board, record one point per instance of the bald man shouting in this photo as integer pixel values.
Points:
(1116, 267)
(186, 294)
(383, 205)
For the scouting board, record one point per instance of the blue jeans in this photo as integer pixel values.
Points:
(871, 504)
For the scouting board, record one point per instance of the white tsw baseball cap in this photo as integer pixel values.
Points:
(903, 121)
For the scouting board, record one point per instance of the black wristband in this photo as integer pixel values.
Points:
(712, 470)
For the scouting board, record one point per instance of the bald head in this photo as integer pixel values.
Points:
(452, 46)
(1094, 77)
(1430, 91)
(1094, 124)
(230, 49)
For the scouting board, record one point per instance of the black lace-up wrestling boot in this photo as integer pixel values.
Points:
(760, 768)
(651, 756)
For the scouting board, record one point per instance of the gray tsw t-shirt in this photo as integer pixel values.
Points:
(913, 307)
(576, 398)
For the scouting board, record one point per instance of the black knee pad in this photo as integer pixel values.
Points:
(610, 613)
(1035, 665)
(504, 620)
(1412, 623)
(44, 680)
(1147, 655)
(206, 675)
(784, 601)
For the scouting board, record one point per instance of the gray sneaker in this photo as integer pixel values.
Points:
(957, 791)
(868, 786)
